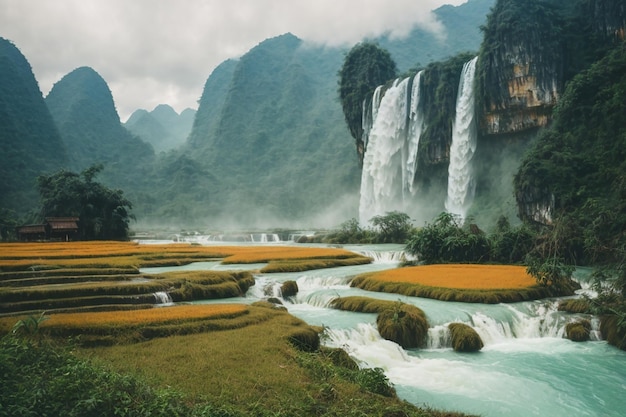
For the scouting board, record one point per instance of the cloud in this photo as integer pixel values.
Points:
(161, 51)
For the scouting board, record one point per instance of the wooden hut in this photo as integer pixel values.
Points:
(31, 232)
(55, 228)
(62, 228)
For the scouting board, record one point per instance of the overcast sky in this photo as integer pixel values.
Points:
(162, 51)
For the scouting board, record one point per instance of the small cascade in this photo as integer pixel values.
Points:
(438, 337)
(162, 297)
(264, 237)
(532, 320)
(461, 184)
(264, 288)
(365, 344)
(320, 299)
(312, 283)
(384, 257)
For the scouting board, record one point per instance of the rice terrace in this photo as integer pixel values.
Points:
(230, 337)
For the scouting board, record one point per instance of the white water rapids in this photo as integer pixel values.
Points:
(527, 367)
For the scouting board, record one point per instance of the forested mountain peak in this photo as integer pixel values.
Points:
(82, 93)
(82, 107)
(29, 140)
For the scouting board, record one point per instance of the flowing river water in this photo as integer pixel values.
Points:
(526, 368)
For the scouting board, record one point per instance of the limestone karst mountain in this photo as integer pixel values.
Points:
(30, 143)
(83, 109)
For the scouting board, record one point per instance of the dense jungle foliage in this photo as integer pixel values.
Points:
(103, 213)
(365, 67)
(580, 162)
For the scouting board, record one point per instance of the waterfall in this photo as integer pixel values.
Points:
(415, 128)
(392, 142)
(162, 297)
(264, 237)
(460, 181)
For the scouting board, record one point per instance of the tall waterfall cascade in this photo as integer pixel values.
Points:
(393, 122)
(392, 125)
(461, 185)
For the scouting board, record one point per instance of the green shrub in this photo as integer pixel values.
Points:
(464, 338)
(578, 331)
(374, 380)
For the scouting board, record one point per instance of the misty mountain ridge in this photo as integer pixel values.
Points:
(162, 127)
(270, 126)
(268, 139)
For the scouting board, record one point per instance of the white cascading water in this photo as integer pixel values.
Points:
(416, 126)
(460, 180)
(162, 297)
(392, 129)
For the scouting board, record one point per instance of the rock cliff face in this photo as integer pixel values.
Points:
(521, 63)
(533, 95)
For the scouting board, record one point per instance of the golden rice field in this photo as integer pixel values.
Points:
(145, 316)
(109, 254)
(461, 276)
(467, 283)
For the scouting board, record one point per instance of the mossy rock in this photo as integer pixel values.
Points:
(274, 300)
(575, 305)
(464, 338)
(612, 332)
(578, 331)
(404, 324)
(289, 289)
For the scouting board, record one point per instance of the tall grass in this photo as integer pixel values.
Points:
(256, 371)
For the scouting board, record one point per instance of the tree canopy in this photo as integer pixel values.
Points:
(104, 213)
(365, 67)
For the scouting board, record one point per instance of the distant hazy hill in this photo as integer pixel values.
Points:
(163, 128)
(84, 112)
(269, 127)
(29, 141)
(462, 34)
